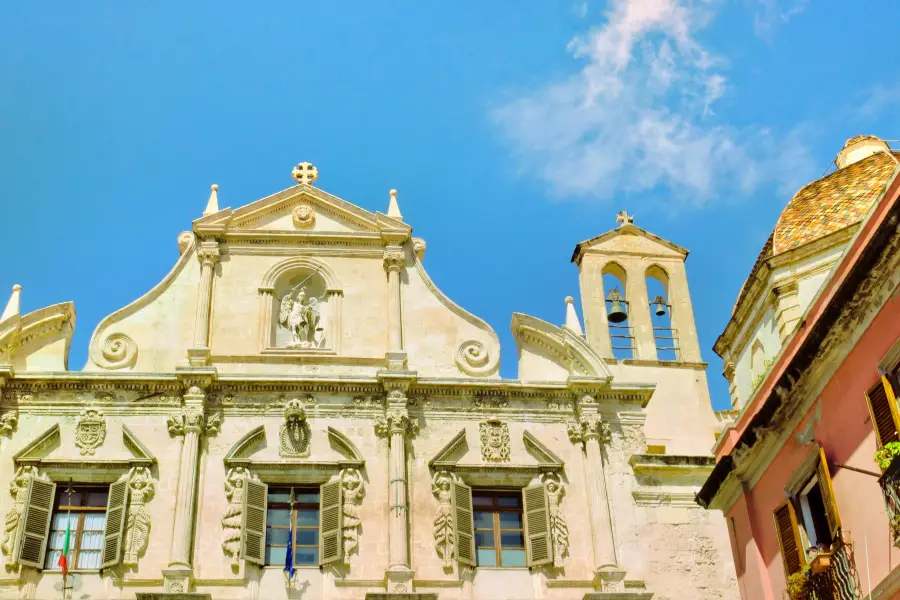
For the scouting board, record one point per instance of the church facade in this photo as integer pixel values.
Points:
(297, 411)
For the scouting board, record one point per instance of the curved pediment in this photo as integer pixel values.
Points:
(551, 353)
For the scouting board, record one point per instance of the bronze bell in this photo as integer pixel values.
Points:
(660, 306)
(617, 312)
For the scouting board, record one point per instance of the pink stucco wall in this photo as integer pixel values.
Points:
(845, 432)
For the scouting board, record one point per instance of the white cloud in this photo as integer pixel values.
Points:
(639, 114)
(877, 100)
(770, 14)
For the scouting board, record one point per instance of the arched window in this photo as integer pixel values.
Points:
(665, 336)
(621, 335)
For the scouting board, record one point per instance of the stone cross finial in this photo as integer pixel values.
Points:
(305, 173)
(624, 218)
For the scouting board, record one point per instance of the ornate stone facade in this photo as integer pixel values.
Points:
(299, 357)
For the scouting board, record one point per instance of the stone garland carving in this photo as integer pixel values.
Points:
(352, 487)
(480, 403)
(494, 440)
(295, 430)
(444, 538)
(90, 430)
(302, 317)
(231, 522)
(303, 216)
(559, 531)
(137, 526)
(18, 488)
(8, 423)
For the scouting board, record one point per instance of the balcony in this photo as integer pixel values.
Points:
(890, 487)
(831, 576)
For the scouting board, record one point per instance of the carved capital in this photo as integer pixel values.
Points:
(394, 258)
(396, 420)
(208, 254)
(588, 426)
(192, 420)
(8, 422)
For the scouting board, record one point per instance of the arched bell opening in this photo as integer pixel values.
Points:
(621, 334)
(665, 336)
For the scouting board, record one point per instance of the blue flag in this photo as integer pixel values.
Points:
(289, 553)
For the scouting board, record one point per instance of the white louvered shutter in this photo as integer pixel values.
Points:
(115, 523)
(253, 522)
(36, 522)
(331, 515)
(537, 525)
(463, 524)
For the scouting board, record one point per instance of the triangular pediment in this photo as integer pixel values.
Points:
(322, 214)
(629, 239)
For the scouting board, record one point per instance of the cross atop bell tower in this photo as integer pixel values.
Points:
(624, 218)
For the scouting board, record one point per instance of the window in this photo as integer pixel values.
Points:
(499, 533)
(299, 506)
(808, 522)
(84, 507)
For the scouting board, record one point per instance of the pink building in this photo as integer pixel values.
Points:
(806, 475)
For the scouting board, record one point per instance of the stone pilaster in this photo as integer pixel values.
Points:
(208, 254)
(590, 431)
(189, 424)
(394, 262)
(787, 309)
(639, 313)
(397, 426)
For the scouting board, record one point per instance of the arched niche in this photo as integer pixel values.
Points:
(621, 335)
(665, 336)
(300, 308)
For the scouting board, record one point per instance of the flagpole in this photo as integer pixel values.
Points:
(68, 534)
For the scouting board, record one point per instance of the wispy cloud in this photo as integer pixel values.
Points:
(879, 99)
(639, 114)
(771, 14)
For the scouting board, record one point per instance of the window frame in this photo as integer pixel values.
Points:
(496, 530)
(293, 506)
(78, 530)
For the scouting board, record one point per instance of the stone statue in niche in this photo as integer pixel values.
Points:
(301, 316)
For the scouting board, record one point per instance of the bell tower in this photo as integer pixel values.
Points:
(635, 298)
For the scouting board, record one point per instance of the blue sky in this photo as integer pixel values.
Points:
(512, 130)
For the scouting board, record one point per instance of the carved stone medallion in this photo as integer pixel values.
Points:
(303, 215)
(295, 430)
(494, 440)
(90, 430)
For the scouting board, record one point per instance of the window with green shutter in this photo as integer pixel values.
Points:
(499, 529)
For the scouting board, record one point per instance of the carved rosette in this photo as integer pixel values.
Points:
(303, 216)
(90, 430)
(231, 522)
(353, 491)
(137, 526)
(559, 531)
(295, 430)
(8, 422)
(18, 489)
(394, 259)
(494, 440)
(444, 536)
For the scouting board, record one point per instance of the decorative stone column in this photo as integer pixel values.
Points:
(394, 262)
(208, 254)
(396, 425)
(590, 431)
(189, 424)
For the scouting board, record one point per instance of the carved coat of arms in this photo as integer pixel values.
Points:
(90, 430)
(295, 430)
(494, 440)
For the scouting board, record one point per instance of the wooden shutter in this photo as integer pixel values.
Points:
(789, 538)
(463, 524)
(538, 543)
(36, 522)
(828, 499)
(253, 522)
(883, 409)
(115, 523)
(331, 515)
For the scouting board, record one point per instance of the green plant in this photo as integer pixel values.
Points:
(885, 456)
(796, 584)
(759, 378)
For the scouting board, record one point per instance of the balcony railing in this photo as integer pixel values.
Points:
(890, 487)
(839, 580)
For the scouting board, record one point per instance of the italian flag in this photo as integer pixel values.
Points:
(63, 558)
